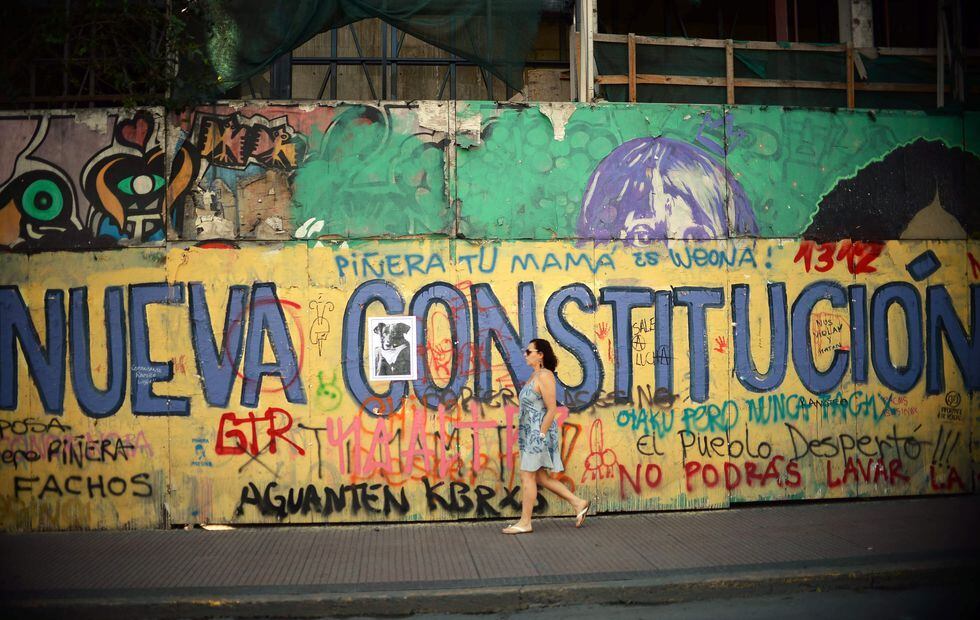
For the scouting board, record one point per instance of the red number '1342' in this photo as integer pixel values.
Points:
(821, 257)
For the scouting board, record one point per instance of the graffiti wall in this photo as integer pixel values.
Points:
(747, 305)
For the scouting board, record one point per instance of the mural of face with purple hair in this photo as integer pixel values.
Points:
(658, 188)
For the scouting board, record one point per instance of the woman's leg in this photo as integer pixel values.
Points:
(529, 497)
(559, 489)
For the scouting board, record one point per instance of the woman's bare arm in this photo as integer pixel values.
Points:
(546, 387)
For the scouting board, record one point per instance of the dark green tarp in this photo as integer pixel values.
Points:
(246, 36)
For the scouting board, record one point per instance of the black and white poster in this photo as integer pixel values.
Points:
(392, 347)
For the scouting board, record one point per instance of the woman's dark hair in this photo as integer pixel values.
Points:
(550, 360)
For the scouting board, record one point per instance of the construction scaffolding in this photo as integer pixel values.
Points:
(635, 68)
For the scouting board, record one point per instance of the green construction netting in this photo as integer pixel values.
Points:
(611, 59)
(246, 36)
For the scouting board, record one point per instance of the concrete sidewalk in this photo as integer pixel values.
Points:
(469, 566)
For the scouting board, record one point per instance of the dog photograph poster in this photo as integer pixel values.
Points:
(392, 344)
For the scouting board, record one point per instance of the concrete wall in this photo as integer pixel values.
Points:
(185, 312)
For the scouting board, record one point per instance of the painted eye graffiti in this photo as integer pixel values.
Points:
(141, 184)
(43, 199)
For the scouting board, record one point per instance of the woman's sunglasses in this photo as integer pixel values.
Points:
(529, 351)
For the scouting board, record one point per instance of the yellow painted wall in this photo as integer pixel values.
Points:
(862, 439)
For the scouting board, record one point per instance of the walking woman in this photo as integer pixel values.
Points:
(538, 438)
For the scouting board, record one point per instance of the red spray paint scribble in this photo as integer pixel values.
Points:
(602, 331)
(217, 245)
(299, 337)
(243, 444)
(858, 255)
(721, 344)
(601, 461)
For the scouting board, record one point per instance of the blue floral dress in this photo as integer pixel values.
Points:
(535, 451)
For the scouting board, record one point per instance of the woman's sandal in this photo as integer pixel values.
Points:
(516, 529)
(580, 517)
